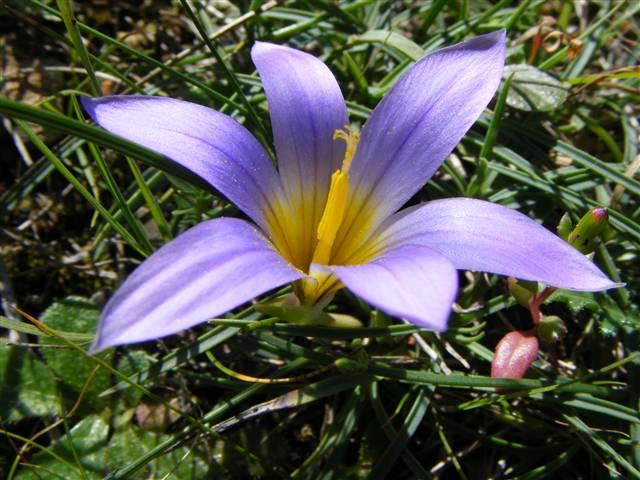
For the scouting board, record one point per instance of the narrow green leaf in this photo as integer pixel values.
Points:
(397, 445)
(480, 383)
(492, 131)
(135, 198)
(90, 133)
(522, 7)
(204, 343)
(334, 443)
(432, 14)
(31, 330)
(601, 168)
(544, 471)
(178, 437)
(188, 79)
(394, 40)
(66, 11)
(341, 333)
(603, 407)
(392, 434)
(296, 398)
(356, 71)
(616, 219)
(152, 203)
(598, 441)
(251, 113)
(81, 189)
(112, 186)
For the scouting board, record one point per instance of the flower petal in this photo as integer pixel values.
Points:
(208, 270)
(478, 235)
(410, 281)
(208, 143)
(417, 124)
(306, 107)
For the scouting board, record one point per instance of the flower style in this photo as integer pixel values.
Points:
(326, 219)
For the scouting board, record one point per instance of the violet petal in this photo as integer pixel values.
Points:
(410, 281)
(208, 270)
(209, 143)
(418, 123)
(306, 107)
(479, 235)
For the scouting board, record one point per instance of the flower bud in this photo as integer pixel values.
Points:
(350, 366)
(342, 320)
(514, 355)
(564, 226)
(586, 233)
(522, 290)
(551, 329)
(290, 310)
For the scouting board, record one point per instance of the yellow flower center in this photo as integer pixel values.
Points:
(337, 238)
(336, 200)
(319, 284)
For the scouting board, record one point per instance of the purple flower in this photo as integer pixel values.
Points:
(327, 218)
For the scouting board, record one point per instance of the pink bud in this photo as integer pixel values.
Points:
(514, 355)
(585, 236)
(600, 214)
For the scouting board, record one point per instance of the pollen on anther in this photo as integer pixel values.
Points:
(351, 138)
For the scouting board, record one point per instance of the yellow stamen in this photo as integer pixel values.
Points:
(337, 199)
(352, 139)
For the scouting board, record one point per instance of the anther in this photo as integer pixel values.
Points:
(351, 138)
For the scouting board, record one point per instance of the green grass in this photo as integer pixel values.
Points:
(248, 396)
